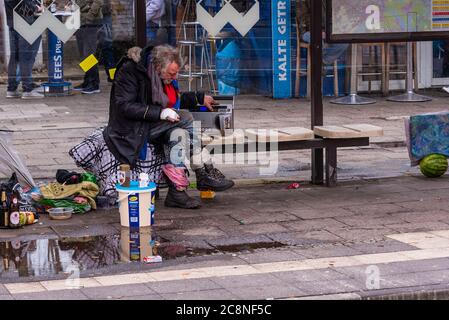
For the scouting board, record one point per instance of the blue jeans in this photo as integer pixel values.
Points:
(172, 28)
(152, 29)
(331, 52)
(23, 56)
(105, 42)
(168, 134)
(87, 38)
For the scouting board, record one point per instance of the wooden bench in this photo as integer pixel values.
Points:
(296, 138)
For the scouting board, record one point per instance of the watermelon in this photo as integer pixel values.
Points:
(433, 165)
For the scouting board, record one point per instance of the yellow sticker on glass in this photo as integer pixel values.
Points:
(88, 63)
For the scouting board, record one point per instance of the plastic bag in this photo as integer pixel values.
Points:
(87, 176)
(64, 203)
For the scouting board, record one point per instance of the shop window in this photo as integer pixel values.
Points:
(114, 34)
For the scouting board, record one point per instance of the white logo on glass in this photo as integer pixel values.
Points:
(64, 31)
(228, 14)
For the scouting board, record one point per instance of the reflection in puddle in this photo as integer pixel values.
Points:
(136, 244)
(50, 257)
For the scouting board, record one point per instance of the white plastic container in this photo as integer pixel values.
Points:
(144, 180)
(136, 205)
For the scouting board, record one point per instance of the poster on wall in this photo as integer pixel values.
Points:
(281, 35)
(387, 20)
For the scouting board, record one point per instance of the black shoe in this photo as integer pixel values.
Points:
(35, 86)
(91, 90)
(211, 179)
(180, 199)
(80, 87)
(66, 177)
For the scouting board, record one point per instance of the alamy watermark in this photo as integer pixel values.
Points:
(239, 147)
(372, 277)
(73, 280)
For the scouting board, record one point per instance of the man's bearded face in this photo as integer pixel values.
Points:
(170, 73)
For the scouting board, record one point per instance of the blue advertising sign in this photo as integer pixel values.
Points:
(281, 34)
(55, 58)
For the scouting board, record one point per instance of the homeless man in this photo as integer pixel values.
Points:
(145, 108)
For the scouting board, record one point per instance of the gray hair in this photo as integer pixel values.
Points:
(163, 55)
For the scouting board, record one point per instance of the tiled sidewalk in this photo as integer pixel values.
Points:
(47, 129)
(310, 242)
(359, 240)
(340, 277)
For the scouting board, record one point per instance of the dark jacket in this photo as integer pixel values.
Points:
(9, 7)
(91, 11)
(106, 10)
(305, 16)
(26, 9)
(132, 110)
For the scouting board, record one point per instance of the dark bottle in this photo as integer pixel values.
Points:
(4, 212)
(14, 215)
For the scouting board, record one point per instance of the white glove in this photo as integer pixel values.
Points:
(169, 114)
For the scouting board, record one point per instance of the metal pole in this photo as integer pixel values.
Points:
(316, 49)
(141, 23)
(353, 98)
(409, 95)
(190, 67)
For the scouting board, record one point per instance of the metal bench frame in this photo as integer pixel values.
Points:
(330, 145)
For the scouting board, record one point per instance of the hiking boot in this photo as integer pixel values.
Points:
(180, 199)
(209, 178)
(32, 95)
(13, 94)
(177, 196)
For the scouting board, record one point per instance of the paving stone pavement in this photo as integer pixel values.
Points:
(253, 225)
(303, 255)
(45, 130)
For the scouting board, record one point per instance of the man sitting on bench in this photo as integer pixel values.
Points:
(145, 108)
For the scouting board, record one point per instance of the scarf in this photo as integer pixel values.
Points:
(158, 96)
(157, 91)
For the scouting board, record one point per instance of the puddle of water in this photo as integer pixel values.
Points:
(250, 246)
(51, 257)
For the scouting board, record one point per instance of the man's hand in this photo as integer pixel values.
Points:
(169, 115)
(209, 102)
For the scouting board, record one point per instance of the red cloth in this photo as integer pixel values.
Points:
(170, 91)
(177, 175)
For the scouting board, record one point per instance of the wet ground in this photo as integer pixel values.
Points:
(254, 224)
(251, 242)
(49, 258)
